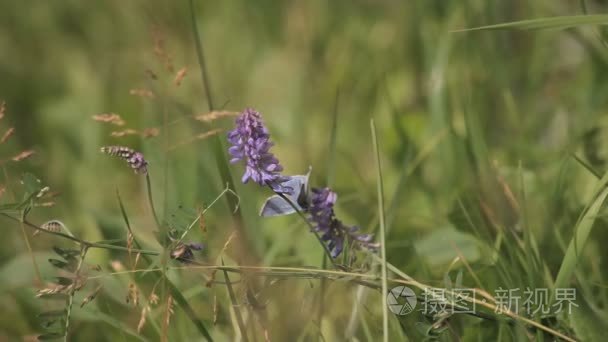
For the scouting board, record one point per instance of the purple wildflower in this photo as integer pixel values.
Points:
(135, 159)
(184, 251)
(250, 140)
(332, 230)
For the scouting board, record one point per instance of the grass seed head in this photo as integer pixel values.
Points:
(23, 155)
(111, 118)
(7, 135)
(179, 77)
(135, 159)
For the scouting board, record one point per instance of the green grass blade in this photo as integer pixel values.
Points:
(581, 234)
(151, 201)
(183, 303)
(218, 149)
(382, 232)
(125, 217)
(331, 167)
(113, 321)
(235, 306)
(562, 22)
(175, 293)
(587, 166)
(331, 156)
(201, 57)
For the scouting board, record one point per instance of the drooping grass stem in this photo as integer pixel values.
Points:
(382, 231)
(68, 315)
(307, 221)
(218, 149)
(80, 241)
(235, 307)
(151, 200)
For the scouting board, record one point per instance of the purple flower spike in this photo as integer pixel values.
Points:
(250, 140)
(135, 159)
(332, 230)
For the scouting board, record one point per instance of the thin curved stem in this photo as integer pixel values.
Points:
(151, 200)
(80, 241)
(202, 213)
(83, 253)
(305, 219)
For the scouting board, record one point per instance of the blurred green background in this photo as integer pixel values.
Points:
(477, 133)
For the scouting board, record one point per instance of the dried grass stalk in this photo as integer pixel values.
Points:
(150, 132)
(159, 49)
(179, 77)
(214, 115)
(133, 295)
(91, 297)
(23, 155)
(141, 92)
(9, 133)
(111, 118)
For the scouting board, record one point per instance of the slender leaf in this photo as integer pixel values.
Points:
(561, 22)
(54, 296)
(50, 336)
(235, 306)
(587, 324)
(60, 264)
(382, 232)
(581, 234)
(67, 254)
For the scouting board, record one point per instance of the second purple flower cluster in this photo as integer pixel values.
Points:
(332, 230)
(250, 141)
